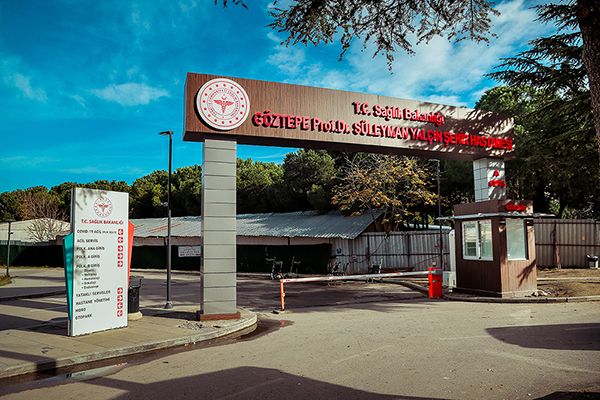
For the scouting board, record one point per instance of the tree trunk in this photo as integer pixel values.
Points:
(588, 15)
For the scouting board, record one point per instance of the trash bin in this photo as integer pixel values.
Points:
(133, 294)
(592, 261)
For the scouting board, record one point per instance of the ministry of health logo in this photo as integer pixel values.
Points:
(223, 104)
(103, 207)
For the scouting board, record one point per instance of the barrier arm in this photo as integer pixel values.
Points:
(434, 273)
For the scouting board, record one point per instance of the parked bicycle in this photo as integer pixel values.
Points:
(276, 268)
(375, 269)
(293, 269)
(338, 270)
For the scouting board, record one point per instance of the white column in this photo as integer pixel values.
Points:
(490, 179)
(218, 268)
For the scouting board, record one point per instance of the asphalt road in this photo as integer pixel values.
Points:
(362, 341)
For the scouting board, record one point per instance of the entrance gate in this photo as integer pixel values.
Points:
(222, 112)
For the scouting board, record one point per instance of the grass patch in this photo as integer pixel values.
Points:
(4, 280)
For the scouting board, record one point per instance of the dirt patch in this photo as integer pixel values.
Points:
(569, 282)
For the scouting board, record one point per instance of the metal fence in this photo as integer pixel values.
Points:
(566, 242)
(416, 250)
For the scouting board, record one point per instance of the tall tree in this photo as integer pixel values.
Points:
(10, 206)
(399, 185)
(307, 181)
(255, 180)
(566, 65)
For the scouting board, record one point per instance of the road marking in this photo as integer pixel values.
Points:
(538, 361)
(46, 309)
(475, 337)
(582, 328)
(362, 354)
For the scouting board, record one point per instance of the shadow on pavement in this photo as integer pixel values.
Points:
(553, 337)
(241, 383)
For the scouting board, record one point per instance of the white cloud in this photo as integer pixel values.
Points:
(440, 70)
(14, 77)
(288, 60)
(130, 94)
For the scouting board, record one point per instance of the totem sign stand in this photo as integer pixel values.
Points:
(97, 256)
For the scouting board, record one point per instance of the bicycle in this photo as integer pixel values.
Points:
(375, 269)
(276, 268)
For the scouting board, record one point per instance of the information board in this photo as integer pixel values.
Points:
(190, 251)
(99, 224)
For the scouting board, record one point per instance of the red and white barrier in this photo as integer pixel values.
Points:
(434, 273)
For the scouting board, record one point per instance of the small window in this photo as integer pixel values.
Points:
(477, 240)
(516, 239)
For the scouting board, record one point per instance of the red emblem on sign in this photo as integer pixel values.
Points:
(223, 104)
(103, 207)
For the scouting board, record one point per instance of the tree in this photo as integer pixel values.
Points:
(186, 191)
(396, 184)
(556, 160)
(307, 181)
(10, 206)
(255, 180)
(390, 24)
(146, 193)
(567, 65)
(44, 211)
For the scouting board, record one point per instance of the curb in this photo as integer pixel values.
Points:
(539, 300)
(54, 363)
(34, 295)
(534, 300)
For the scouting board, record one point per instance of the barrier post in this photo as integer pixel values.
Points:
(282, 295)
(435, 282)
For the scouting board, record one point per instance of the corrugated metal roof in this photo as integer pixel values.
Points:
(157, 227)
(297, 224)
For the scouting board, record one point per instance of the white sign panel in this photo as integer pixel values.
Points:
(190, 251)
(99, 222)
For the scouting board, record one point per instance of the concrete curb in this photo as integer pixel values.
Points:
(466, 297)
(248, 319)
(34, 295)
(455, 297)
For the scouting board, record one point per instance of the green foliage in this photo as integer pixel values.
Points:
(555, 136)
(399, 185)
(255, 180)
(307, 181)
(391, 25)
(10, 206)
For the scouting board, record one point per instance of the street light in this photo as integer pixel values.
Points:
(10, 221)
(169, 302)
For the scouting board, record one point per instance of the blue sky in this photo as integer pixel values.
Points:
(86, 86)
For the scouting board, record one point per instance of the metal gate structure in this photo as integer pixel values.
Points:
(416, 250)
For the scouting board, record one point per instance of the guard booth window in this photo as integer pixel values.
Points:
(516, 237)
(477, 240)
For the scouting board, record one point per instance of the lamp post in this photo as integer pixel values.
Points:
(169, 302)
(10, 221)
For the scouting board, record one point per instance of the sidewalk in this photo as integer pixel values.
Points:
(43, 344)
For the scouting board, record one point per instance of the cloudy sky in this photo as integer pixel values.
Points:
(85, 86)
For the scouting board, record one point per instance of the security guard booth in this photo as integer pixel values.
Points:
(495, 243)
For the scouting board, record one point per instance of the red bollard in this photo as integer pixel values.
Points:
(435, 283)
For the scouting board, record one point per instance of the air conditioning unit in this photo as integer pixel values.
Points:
(449, 278)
